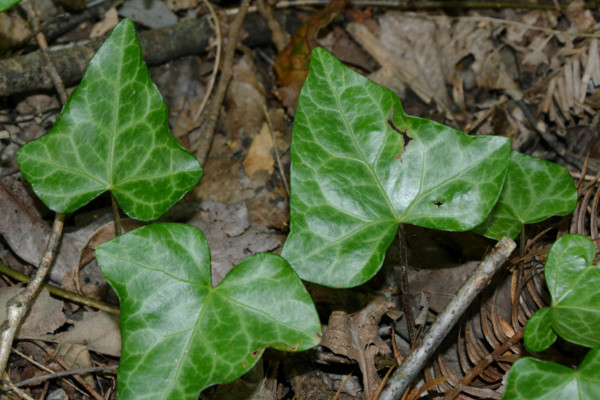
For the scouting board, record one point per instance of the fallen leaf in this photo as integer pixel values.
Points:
(26, 232)
(259, 154)
(291, 65)
(110, 20)
(356, 336)
(44, 317)
(98, 330)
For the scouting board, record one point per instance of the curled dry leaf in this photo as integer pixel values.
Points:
(356, 336)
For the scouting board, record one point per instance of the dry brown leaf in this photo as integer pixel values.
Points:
(582, 19)
(246, 100)
(110, 20)
(45, 316)
(356, 336)
(26, 232)
(75, 356)
(98, 330)
(104, 234)
(291, 65)
(259, 157)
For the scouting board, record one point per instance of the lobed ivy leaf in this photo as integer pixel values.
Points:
(532, 379)
(534, 190)
(538, 335)
(112, 135)
(6, 4)
(573, 283)
(360, 166)
(180, 334)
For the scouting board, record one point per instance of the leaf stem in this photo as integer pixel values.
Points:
(202, 147)
(62, 293)
(478, 280)
(406, 298)
(116, 215)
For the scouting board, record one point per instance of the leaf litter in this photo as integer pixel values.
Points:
(479, 65)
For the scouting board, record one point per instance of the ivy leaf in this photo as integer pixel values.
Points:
(538, 331)
(534, 190)
(180, 334)
(573, 283)
(112, 135)
(531, 379)
(360, 166)
(6, 4)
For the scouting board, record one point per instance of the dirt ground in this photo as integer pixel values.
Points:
(531, 74)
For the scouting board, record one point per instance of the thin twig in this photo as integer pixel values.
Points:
(277, 157)
(406, 298)
(79, 379)
(61, 374)
(40, 366)
(202, 147)
(213, 76)
(478, 280)
(62, 293)
(41, 39)
(17, 307)
(14, 388)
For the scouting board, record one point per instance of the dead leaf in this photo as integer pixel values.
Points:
(582, 19)
(104, 234)
(356, 336)
(246, 100)
(75, 356)
(229, 236)
(26, 232)
(110, 20)
(98, 330)
(45, 316)
(259, 154)
(291, 65)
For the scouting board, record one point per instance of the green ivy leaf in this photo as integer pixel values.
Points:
(180, 334)
(573, 283)
(6, 4)
(112, 135)
(531, 379)
(354, 180)
(534, 190)
(538, 331)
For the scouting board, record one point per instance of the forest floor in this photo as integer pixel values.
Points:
(531, 74)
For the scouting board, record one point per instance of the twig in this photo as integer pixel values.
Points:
(79, 379)
(406, 298)
(12, 387)
(478, 280)
(277, 157)
(279, 35)
(18, 306)
(41, 39)
(213, 76)
(202, 147)
(80, 371)
(62, 293)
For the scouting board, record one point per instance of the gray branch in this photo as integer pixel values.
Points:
(478, 280)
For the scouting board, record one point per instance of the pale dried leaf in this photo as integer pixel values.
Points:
(259, 157)
(98, 330)
(44, 317)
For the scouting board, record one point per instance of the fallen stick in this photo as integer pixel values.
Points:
(479, 279)
(27, 73)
